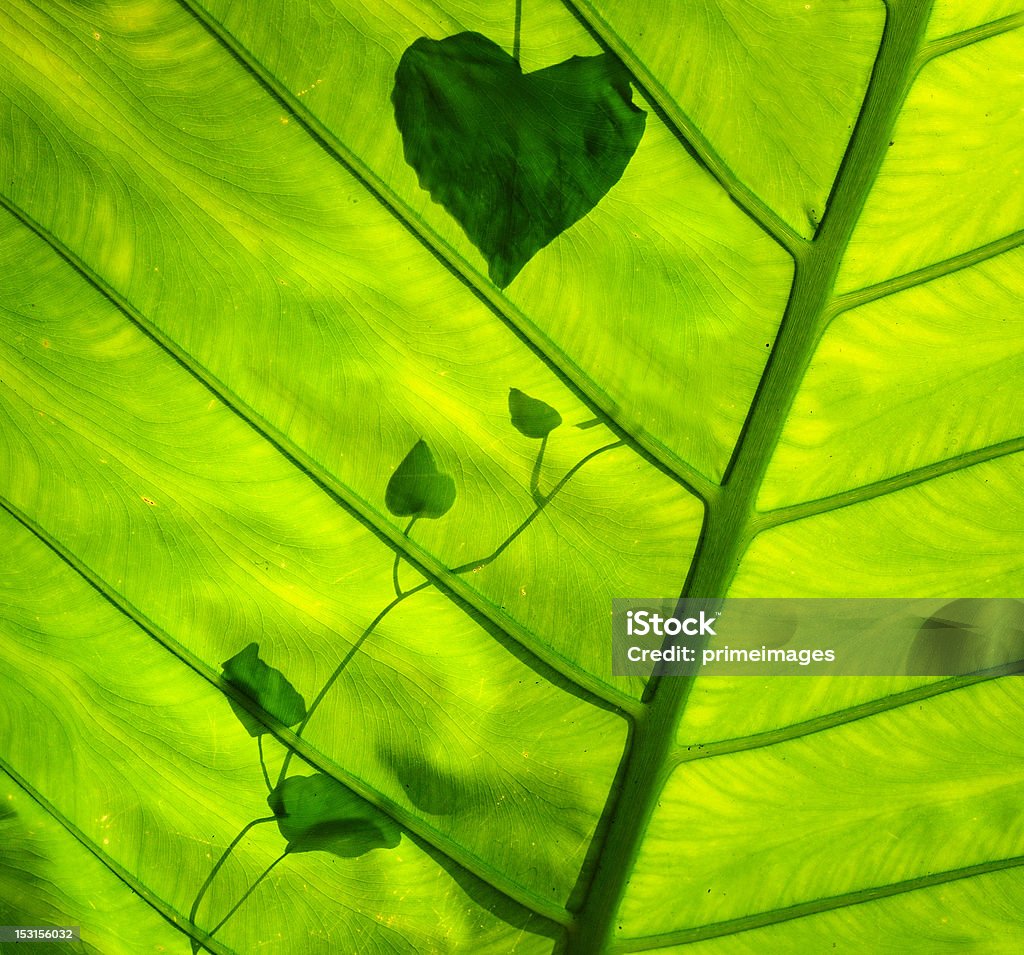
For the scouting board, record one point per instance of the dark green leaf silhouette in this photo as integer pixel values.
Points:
(531, 416)
(267, 685)
(966, 636)
(317, 813)
(418, 488)
(516, 158)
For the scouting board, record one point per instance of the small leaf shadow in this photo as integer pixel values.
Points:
(418, 488)
(267, 685)
(318, 814)
(531, 416)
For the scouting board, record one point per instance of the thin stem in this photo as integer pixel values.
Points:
(503, 546)
(332, 679)
(398, 560)
(217, 867)
(517, 30)
(249, 891)
(535, 477)
(263, 763)
(405, 594)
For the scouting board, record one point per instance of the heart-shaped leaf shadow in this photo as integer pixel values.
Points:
(515, 157)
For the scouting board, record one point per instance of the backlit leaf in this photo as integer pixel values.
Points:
(265, 281)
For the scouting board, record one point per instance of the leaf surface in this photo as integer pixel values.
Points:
(228, 311)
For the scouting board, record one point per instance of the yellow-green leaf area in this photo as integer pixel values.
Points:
(757, 79)
(900, 785)
(252, 275)
(49, 878)
(120, 467)
(972, 193)
(163, 815)
(704, 288)
(230, 309)
(950, 351)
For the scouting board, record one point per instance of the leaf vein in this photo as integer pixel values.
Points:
(957, 41)
(900, 283)
(818, 906)
(158, 905)
(889, 485)
(819, 724)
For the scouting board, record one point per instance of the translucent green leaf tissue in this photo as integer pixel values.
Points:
(353, 359)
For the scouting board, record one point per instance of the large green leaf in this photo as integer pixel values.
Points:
(783, 351)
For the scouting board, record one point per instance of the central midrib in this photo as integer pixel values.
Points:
(730, 515)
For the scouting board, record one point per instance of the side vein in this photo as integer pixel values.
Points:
(890, 485)
(818, 906)
(852, 714)
(900, 283)
(503, 628)
(147, 895)
(957, 41)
